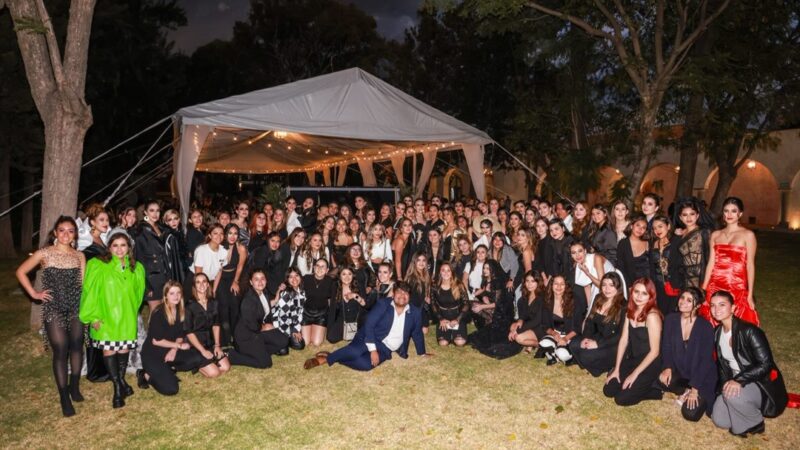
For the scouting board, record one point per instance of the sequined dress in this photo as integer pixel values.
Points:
(61, 275)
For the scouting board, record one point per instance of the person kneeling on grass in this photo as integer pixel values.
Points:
(687, 355)
(166, 349)
(389, 327)
(751, 384)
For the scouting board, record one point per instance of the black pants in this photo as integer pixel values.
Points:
(596, 361)
(641, 389)
(228, 304)
(258, 352)
(162, 374)
(678, 385)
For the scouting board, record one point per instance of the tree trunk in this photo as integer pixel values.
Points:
(690, 142)
(6, 234)
(26, 225)
(64, 133)
(726, 175)
(646, 149)
(690, 146)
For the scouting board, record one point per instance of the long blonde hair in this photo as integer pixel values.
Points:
(456, 286)
(164, 303)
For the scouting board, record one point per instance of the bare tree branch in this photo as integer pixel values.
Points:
(575, 20)
(692, 38)
(76, 50)
(52, 44)
(615, 39)
(35, 54)
(659, 36)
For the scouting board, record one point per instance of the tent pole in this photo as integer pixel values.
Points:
(414, 171)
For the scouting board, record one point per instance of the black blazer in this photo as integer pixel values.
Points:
(251, 317)
(752, 353)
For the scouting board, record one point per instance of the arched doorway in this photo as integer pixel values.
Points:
(661, 179)
(454, 184)
(757, 188)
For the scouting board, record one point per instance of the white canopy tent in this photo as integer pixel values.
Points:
(322, 123)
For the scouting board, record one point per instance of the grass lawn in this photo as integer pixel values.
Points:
(458, 399)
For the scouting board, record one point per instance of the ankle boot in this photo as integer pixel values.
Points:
(66, 403)
(74, 388)
(113, 372)
(122, 363)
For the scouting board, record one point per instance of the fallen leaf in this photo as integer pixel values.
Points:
(559, 409)
(512, 437)
(543, 425)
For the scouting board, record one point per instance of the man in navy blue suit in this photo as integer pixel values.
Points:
(389, 327)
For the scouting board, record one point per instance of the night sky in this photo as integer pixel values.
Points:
(214, 19)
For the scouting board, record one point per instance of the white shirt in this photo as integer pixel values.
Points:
(381, 250)
(483, 240)
(475, 277)
(394, 339)
(292, 222)
(568, 222)
(265, 305)
(727, 351)
(210, 261)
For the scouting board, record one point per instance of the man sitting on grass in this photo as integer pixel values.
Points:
(391, 323)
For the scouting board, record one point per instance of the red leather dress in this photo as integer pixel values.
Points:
(729, 274)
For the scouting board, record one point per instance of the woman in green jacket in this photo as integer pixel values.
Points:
(112, 293)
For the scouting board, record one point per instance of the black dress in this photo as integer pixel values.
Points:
(200, 321)
(318, 299)
(340, 313)
(664, 263)
(532, 316)
(274, 263)
(446, 307)
(194, 238)
(632, 267)
(492, 340)
(228, 301)
(417, 298)
(162, 373)
(600, 360)
(644, 386)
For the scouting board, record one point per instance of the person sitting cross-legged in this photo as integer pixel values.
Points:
(389, 327)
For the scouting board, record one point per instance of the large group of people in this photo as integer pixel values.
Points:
(654, 302)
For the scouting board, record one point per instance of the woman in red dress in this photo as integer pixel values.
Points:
(731, 264)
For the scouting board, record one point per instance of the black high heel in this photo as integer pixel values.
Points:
(66, 404)
(74, 388)
(141, 380)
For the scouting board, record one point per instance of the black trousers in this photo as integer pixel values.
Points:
(162, 373)
(678, 385)
(258, 352)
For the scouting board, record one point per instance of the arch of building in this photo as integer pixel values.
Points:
(756, 185)
(661, 179)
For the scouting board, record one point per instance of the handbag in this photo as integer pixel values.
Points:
(671, 291)
(95, 369)
(350, 330)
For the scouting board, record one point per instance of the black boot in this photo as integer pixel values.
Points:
(113, 372)
(122, 363)
(66, 403)
(141, 380)
(75, 388)
(551, 357)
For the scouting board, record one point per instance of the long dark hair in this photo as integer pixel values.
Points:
(614, 312)
(567, 303)
(59, 221)
(539, 284)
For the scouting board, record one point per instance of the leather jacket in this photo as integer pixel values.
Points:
(754, 357)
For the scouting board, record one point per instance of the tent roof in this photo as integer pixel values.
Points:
(329, 119)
